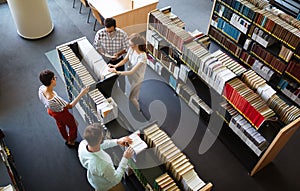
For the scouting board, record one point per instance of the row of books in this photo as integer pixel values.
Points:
(258, 84)
(248, 134)
(279, 28)
(223, 40)
(174, 34)
(165, 182)
(294, 69)
(90, 115)
(79, 77)
(174, 18)
(193, 100)
(231, 64)
(171, 74)
(288, 18)
(176, 162)
(250, 104)
(268, 57)
(236, 20)
(208, 67)
(287, 113)
(243, 7)
(225, 27)
(244, 129)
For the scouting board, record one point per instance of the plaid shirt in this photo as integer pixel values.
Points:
(111, 45)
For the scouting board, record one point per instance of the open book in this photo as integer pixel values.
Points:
(137, 144)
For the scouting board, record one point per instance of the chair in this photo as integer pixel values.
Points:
(86, 4)
(73, 3)
(97, 15)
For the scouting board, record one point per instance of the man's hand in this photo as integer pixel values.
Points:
(124, 141)
(128, 153)
(112, 70)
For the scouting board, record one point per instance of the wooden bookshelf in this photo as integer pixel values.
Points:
(266, 24)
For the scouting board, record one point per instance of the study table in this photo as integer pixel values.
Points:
(130, 15)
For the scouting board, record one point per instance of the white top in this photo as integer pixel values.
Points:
(101, 172)
(134, 59)
(56, 104)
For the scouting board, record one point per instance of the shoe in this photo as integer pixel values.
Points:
(76, 145)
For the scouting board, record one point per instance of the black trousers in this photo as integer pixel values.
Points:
(121, 79)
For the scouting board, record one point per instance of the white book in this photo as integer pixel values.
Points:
(138, 145)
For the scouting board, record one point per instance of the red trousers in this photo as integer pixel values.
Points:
(63, 120)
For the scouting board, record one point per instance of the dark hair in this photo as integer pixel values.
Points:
(137, 39)
(110, 22)
(46, 76)
(93, 134)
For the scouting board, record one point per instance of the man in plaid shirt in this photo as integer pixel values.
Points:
(112, 43)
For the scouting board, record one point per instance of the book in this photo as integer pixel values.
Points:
(137, 144)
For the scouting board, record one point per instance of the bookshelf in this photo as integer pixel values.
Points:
(165, 56)
(264, 40)
(10, 179)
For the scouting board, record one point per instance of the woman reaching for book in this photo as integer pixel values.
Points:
(137, 58)
(58, 108)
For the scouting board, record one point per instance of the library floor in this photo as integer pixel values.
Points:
(41, 157)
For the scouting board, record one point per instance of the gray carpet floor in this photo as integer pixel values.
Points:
(42, 159)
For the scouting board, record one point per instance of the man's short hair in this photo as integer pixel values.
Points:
(46, 76)
(110, 22)
(94, 134)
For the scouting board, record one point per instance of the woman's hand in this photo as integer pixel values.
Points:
(85, 90)
(111, 65)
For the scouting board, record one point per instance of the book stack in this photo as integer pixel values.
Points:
(176, 162)
(165, 182)
(268, 58)
(167, 28)
(244, 129)
(247, 102)
(231, 64)
(224, 41)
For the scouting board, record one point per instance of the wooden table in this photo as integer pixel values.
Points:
(130, 15)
